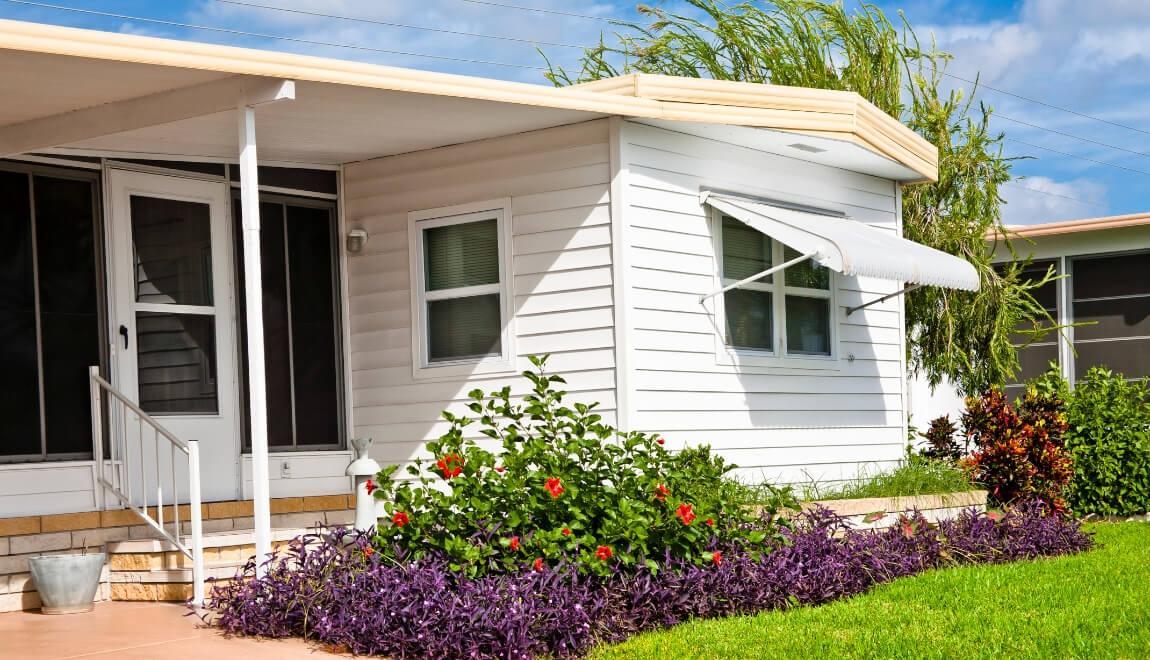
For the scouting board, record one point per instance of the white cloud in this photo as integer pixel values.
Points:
(1040, 199)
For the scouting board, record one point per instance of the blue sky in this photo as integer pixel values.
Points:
(1089, 57)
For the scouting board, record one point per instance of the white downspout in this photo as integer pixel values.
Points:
(254, 315)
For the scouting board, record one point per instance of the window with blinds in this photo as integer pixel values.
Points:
(788, 315)
(461, 297)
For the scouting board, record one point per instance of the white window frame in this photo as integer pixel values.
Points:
(778, 357)
(418, 221)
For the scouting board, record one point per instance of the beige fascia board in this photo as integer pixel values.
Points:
(1074, 226)
(825, 112)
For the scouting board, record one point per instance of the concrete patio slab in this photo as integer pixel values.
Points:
(131, 631)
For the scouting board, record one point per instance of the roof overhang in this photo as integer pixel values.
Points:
(1074, 226)
(848, 246)
(347, 111)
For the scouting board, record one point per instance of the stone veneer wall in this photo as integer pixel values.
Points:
(71, 533)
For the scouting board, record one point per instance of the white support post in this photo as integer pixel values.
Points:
(253, 289)
(197, 523)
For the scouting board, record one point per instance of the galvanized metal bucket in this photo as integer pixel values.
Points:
(67, 583)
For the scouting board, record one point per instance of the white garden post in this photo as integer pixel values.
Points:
(362, 469)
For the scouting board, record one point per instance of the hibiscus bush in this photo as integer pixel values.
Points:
(564, 487)
(338, 590)
(1019, 450)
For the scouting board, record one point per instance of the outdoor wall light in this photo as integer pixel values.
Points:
(356, 239)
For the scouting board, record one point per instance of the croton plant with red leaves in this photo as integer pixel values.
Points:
(1019, 451)
(564, 487)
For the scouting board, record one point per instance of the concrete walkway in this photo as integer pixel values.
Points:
(130, 631)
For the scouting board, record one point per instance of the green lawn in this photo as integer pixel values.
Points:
(1092, 605)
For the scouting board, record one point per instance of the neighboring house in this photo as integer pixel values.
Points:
(419, 235)
(1104, 293)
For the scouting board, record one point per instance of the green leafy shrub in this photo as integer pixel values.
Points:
(941, 443)
(1019, 452)
(1109, 439)
(565, 487)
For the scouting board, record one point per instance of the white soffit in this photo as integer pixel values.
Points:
(840, 154)
(848, 246)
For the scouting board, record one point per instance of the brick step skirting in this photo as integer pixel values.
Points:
(94, 531)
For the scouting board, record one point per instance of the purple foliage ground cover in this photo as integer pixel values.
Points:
(335, 590)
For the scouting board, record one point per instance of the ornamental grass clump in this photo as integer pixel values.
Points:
(564, 488)
(335, 589)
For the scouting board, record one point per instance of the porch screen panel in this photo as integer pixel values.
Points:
(1035, 357)
(1112, 295)
(301, 328)
(69, 318)
(277, 334)
(20, 385)
(49, 313)
(311, 274)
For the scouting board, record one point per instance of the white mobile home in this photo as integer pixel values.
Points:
(396, 238)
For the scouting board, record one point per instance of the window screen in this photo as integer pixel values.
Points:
(462, 298)
(752, 319)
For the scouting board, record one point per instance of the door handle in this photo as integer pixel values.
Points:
(124, 334)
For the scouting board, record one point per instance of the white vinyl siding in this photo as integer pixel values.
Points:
(783, 421)
(557, 182)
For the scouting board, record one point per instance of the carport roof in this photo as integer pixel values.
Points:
(347, 111)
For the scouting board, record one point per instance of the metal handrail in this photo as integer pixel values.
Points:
(120, 485)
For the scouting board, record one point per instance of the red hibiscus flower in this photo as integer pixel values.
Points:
(603, 553)
(400, 519)
(717, 558)
(661, 441)
(552, 486)
(710, 522)
(566, 531)
(451, 465)
(661, 492)
(370, 486)
(685, 513)
(514, 544)
(538, 565)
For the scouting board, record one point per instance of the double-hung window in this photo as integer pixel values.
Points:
(783, 314)
(460, 284)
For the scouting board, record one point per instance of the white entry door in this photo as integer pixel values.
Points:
(173, 325)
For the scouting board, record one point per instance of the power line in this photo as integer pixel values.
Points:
(1052, 194)
(311, 42)
(1070, 155)
(372, 21)
(1044, 103)
(1071, 135)
(541, 10)
(980, 84)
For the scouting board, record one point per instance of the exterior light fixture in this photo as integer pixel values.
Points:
(356, 240)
